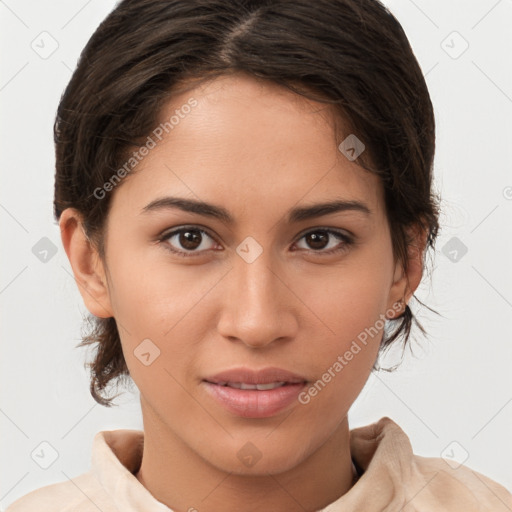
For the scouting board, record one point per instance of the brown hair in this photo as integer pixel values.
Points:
(352, 54)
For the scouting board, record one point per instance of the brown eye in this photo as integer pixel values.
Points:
(317, 239)
(320, 239)
(188, 241)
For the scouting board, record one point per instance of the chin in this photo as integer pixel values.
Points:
(250, 460)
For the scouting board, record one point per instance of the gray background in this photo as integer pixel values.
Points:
(453, 397)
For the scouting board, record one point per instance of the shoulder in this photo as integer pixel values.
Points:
(460, 485)
(115, 454)
(79, 494)
(384, 453)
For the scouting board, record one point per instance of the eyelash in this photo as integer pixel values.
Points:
(347, 241)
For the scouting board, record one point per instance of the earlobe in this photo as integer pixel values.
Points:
(405, 283)
(88, 268)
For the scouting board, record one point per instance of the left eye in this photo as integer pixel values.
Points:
(326, 241)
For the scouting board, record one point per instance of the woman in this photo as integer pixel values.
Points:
(244, 192)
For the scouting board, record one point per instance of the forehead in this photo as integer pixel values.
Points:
(245, 142)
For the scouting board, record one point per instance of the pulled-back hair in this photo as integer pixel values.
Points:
(352, 54)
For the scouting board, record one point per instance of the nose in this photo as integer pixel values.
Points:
(257, 306)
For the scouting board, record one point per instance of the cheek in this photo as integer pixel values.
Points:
(350, 304)
(156, 306)
(150, 295)
(344, 358)
(348, 300)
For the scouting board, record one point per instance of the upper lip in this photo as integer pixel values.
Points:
(262, 376)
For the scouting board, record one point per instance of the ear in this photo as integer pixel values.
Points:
(86, 263)
(405, 283)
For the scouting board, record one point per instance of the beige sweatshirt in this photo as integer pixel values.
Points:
(392, 479)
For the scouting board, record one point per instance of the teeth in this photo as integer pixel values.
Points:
(259, 387)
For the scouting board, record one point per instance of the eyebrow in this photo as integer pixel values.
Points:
(296, 214)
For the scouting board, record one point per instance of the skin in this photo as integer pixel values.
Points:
(258, 151)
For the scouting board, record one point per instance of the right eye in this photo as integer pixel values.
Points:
(188, 241)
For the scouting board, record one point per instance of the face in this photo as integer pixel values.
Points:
(259, 280)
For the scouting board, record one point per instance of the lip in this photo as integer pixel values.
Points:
(255, 403)
(262, 376)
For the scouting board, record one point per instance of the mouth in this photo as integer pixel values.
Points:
(255, 393)
(245, 385)
(248, 377)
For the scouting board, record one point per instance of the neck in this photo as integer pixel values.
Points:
(183, 480)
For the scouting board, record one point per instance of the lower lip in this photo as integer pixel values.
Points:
(252, 403)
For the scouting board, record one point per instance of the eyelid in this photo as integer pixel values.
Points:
(339, 231)
(176, 229)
